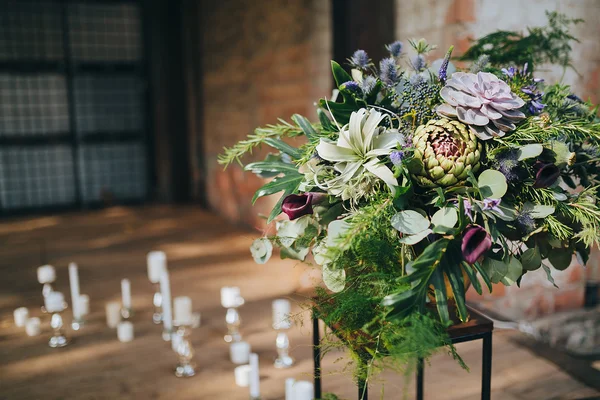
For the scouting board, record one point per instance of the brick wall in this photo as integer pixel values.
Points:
(262, 60)
(447, 22)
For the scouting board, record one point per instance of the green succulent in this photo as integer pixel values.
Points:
(448, 150)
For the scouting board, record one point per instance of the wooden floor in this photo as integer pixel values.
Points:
(204, 254)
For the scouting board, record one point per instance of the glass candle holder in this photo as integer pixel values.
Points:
(185, 366)
(157, 316)
(59, 337)
(233, 321)
(283, 359)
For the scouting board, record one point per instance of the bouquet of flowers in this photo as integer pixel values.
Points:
(420, 179)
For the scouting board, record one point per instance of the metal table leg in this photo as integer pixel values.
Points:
(317, 357)
(420, 376)
(486, 371)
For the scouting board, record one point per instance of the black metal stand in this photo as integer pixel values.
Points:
(478, 327)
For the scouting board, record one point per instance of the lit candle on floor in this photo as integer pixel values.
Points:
(113, 314)
(239, 352)
(242, 375)
(46, 274)
(125, 331)
(254, 377)
(157, 263)
(281, 314)
(230, 296)
(54, 302)
(21, 314)
(126, 293)
(74, 283)
(304, 390)
(289, 388)
(182, 307)
(165, 289)
(84, 304)
(33, 326)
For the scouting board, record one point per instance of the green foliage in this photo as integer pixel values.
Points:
(548, 44)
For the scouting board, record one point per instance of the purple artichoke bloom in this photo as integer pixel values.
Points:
(482, 101)
(388, 71)
(546, 175)
(397, 157)
(492, 204)
(475, 243)
(395, 48)
(297, 205)
(360, 59)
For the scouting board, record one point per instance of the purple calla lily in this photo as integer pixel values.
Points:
(546, 175)
(297, 205)
(476, 241)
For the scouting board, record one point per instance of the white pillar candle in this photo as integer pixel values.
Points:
(289, 388)
(125, 331)
(74, 283)
(230, 296)
(46, 274)
(126, 293)
(113, 314)
(33, 326)
(157, 263)
(304, 390)
(281, 314)
(21, 314)
(182, 307)
(84, 304)
(242, 375)
(54, 302)
(165, 290)
(239, 352)
(254, 376)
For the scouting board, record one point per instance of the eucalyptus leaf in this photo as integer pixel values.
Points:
(559, 196)
(410, 222)
(492, 184)
(549, 275)
(531, 259)
(261, 250)
(334, 279)
(446, 216)
(495, 269)
(530, 151)
(538, 210)
(560, 258)
(416, 238)
(514, 271)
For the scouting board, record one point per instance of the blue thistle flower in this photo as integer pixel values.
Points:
(368, 84)
(360, 60)
(442, 74)
(397, 157)
(395, 48)
(351, 86)
(480, 64)
(507, 163)
(388, 71)
(526, 222)
(418, 63)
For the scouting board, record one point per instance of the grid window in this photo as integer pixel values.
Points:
(105, 32)
(108, 103)
(33, 105)
(36, 176)
(113, 170)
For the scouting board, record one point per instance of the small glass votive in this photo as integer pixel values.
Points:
(21, 315)
(33, 326)
(125, 331)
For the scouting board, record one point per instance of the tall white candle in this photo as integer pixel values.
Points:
(239, 352)
(33, 326)
(74, 283)
(126, 293)
(230, 296)
(182, 307)
(165, 290)
(281, 314)
(54, 302)
(125, 331)
(84, 304)
(289, 388)
(46, 274)
(304, 390)
(242, 375)
(254, 377)
(21, 314)
(113, 314)
(176, 339)
(157, 263)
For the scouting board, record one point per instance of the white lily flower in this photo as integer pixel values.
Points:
(358, 149)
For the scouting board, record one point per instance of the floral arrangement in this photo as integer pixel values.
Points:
(420, 179)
